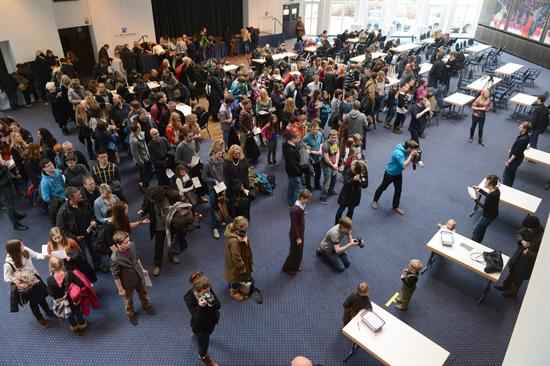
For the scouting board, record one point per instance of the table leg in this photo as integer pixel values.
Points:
(487, 288)
(353, 349)
(430, 262)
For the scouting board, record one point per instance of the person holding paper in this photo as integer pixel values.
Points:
(213, 174)
(67, 249)
(129, 275)
(236, 178)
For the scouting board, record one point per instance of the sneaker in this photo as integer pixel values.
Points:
(399, 210)
(175, 259)
(481, 143)
(387, 126)
(133, 320)
(332, 193)
(374, 205)
(323, 200)
(401, 307)
(396, 130)
(156, 271)
(216, 234)
(471, 140)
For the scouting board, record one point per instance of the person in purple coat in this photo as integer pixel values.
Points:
(297, 227)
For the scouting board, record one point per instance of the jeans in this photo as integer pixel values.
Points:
(509, 174)
(225, 133)
(338, 262)
(534, 139)
(477, 121)
(160, 172)
(399, 119)
(179, 244)
(213, 200)
(294, 189)
(397, 181)
(389, 115)
(145, 173)
(203, 339)
(329, 180)
(272, 150)
(36, 309)
(317, 178)
(340, 212)
(480, 228)
(76, 317)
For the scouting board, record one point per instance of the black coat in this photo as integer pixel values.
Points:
(540, 118)
(521, 265)
(350, 195)
(57, 291)
(59, 110)
(203, 318)
(236, 175)
(292, 160)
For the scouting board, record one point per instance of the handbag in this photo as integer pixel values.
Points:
(61, 307)
(493, 261)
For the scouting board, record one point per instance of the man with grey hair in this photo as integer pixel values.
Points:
(70, 151)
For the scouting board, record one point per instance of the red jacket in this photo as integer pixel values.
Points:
(85, 295)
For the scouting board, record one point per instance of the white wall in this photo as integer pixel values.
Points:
(28, 26)
(255, 14)
(108, 17)
(70, 14)
(531, 336)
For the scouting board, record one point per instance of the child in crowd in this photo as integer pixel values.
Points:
(450, 225)
(269, 133)
(356, 302)
(58, 156)
(409, 277)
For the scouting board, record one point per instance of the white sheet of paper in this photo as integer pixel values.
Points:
(220, 187)
(472, 193)
(147, 279)
(169, 173)
(45, 249)
(257, 130)
(59, 254)
(196, 182)
(194, 161)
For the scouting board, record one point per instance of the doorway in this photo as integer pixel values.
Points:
(290, 16)
(78, 40)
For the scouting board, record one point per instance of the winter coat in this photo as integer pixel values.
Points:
(521, 265)
(350, 195)
(203, 318)
(353, 304)
(238, 261)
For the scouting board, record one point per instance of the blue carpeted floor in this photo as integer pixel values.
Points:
(302, 315)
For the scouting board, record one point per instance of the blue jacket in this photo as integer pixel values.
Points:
(395, 166)
(52, 186)
(315, 144)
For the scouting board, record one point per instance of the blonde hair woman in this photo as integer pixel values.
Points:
(103, 204)
(237, 265)
(287, 115)
(263, 107)
(174, 124)
(191, 122)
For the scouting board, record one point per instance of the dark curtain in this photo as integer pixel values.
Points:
(176, 17)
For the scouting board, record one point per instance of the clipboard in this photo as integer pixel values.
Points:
(472, 193)
(256, 130)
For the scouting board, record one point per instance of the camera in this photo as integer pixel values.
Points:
(417, 159)
(360, 243)
(209, 298)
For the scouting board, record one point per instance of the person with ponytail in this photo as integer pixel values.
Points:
(204, 306)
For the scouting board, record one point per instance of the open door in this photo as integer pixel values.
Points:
(290, 16)
(78, 40)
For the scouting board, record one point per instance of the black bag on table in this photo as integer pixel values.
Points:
(493, 261)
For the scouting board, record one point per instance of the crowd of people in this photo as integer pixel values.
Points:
(321, 109)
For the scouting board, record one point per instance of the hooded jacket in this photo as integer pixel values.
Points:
(395, 166)
(238, 261)
(212, 172)
(52, 186)
(356, 122)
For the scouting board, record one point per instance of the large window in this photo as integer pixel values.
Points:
(464, 17)
(342, 15)
(311, 16)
